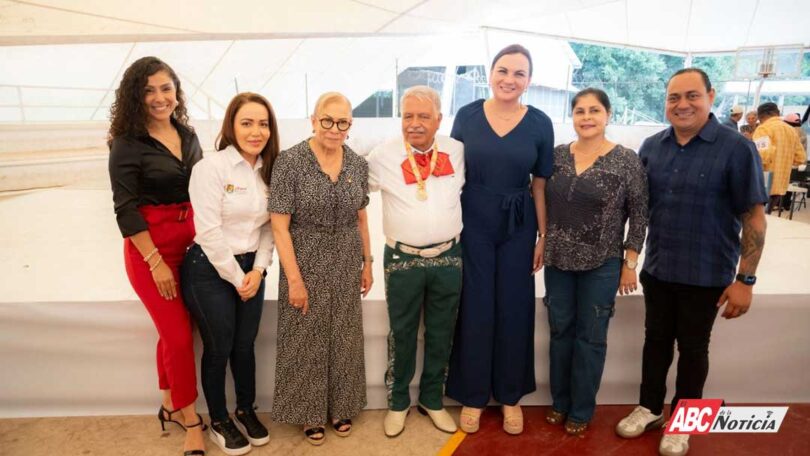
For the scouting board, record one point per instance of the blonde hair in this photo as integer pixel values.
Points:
(424, 93)
(330, 97)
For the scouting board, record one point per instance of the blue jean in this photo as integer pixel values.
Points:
(580, 305)
(228, 328)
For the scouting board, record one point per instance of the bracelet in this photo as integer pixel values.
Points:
(368, 259)
(259, 269)
(541, 235)
(151, 254)
(157, 263)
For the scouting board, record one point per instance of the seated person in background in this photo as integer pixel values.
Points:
(751, 120)
(747, 131)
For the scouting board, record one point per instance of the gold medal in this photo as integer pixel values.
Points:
(421, 194)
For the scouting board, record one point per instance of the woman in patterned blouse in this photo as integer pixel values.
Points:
(595, 188)
(318, 198)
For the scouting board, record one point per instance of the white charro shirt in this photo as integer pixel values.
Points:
(406, 219)
(229, 199)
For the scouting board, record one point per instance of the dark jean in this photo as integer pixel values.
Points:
(685, 313)
(228, 328)
(580, 305)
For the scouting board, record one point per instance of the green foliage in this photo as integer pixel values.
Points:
(797, 100)
(634, 80)
(720, 69)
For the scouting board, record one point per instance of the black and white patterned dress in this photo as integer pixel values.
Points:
(320, 369)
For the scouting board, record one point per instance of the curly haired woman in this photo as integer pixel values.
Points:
(152, 151)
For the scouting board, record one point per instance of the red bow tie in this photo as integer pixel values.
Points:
(443, 166)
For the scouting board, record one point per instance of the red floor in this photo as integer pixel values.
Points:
(541, 438)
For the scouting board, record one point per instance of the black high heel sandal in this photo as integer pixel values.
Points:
(164, 420)
(195, 452)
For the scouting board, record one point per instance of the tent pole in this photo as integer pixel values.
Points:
(448, 88)
(395, 97)
(759, 91)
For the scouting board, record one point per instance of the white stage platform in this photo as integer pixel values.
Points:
(74, 339)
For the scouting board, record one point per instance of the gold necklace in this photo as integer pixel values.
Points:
(511, 116)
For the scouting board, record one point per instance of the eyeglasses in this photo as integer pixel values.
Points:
(342, 124)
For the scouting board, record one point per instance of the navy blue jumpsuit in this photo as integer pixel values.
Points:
(493, 349)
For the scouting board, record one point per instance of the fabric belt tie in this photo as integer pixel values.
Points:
(424, 252)
(513, 202)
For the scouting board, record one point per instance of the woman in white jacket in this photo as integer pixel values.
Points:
(223, 272)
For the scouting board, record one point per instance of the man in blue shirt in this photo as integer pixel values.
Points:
(706, 184)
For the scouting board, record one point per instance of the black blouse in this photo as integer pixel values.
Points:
(144, 172)
(587, 213)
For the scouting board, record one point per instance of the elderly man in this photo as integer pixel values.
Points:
(734, 116)
(778, 145)
(420, 176)
(751, 120)
(706, 184)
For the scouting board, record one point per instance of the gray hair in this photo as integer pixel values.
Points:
(330, 97)
(424, 93)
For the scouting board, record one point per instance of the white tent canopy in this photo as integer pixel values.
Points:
(693, 26)
(76, 82)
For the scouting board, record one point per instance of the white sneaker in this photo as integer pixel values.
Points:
(441, 419)
(394, 422)
(637, 422)
(674, 445)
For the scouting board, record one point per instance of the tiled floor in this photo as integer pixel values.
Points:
(541, 438)
(802, 215)
(141, 435)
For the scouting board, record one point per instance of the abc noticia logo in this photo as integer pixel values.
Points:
(702, 416)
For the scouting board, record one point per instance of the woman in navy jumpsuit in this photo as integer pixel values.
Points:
(508, 150)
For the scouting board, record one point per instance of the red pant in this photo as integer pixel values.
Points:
(172, 229)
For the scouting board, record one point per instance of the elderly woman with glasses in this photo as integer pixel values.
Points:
(318, 195)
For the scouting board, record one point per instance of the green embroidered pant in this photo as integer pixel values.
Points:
(413, 283)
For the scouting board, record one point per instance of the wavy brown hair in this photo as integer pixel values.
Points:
(227, 136)
(128, 114)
